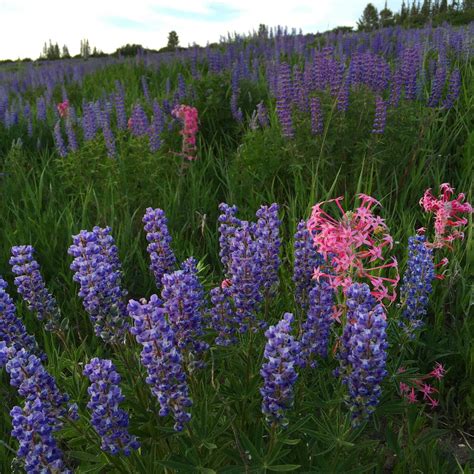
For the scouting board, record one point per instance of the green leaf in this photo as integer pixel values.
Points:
(89, 457)
(284, 467)
(291, 442)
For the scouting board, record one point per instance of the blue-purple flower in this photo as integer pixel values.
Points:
(108, 419)
(316, 329)
(31, 286)
(183, 301)
(162, 359)
(363, 352)
(12, 330)
(159, 240)
(282, 353)
(416, 284)
(99, 274)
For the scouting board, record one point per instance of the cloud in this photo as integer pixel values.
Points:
(108, 24)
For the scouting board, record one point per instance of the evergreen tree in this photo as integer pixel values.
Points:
(426, 9)
(369, 19)
(65, 53)
(386, 17)
(443, 8)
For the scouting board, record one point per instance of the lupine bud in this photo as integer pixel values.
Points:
(380, 116)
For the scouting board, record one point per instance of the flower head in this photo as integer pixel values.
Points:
(447, 214)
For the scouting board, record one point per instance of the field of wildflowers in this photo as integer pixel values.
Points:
(246, 258)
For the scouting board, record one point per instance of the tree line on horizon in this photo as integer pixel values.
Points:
(417, 14)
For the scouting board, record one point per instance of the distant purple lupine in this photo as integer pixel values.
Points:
(380, 116)
(284, 100)
(317, 119)
(454, 89)
(138, 123)
(59, 141)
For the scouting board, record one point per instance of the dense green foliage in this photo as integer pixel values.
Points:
(45, 199)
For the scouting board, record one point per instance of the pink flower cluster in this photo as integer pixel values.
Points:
(446, 211)
(63, 108)
(189, 116)
(418, 387)
(353, 245)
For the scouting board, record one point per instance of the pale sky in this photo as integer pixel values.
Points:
(26, 24)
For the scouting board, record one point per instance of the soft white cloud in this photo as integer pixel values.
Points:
(27, 24)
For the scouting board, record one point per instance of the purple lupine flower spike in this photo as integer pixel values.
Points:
(31, 287)
(454, 88)
(363, 352)
(306, 259)
(45, 407)
(37, 446)
(12, 330)
(223, 316)
(317, 124)
(228, 224)
(110, 421)
(71, 135)
(99, 274)
(262, 115)
(279, 372)
(245, 276)
(416, 284)
(267, 236)
(138, 121)
(317, 326)
(380, 116)
(162, 359)
(159, 240)
(59, 141)
(183, 301)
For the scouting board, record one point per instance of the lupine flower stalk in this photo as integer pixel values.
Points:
(108, 419)
(454, 88)
(183, 301)
(282, 353)
(306, 260)
(317, 125)
(380, 117)
(267, 236)
(416, 284)
(222, 315)
(99, 275)
(228, 224)
(162, 359)
(31, 287)
(59, 141)
(363, 352)
(245, 276)
(317, 326)
(159, 240)
(12, 330)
